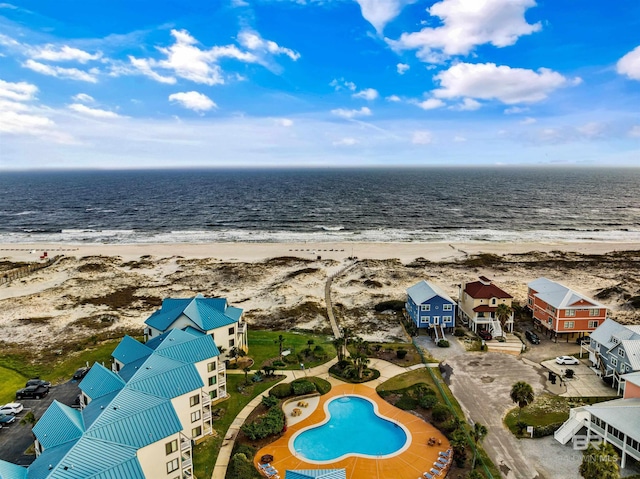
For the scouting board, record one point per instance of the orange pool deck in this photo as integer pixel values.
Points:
(409, 464)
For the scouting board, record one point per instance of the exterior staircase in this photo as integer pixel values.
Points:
(577, 420)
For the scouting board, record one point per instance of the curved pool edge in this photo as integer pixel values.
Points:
(326, 419)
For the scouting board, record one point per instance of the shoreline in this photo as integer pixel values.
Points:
(259, 251)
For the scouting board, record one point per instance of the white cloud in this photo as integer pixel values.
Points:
(366, 94)
(380, 12)
(423, 137)
(19, 123)
(83, 98)
(402, 68)
(467, 24)
(253, 41)
(341, 83)
(284, 122)
(592, 129)
(93, 112)
(487, 81)
(635, 131)
(513, 110)
(629, 64)
(468, 104)
(346, 142)
(193, 100)
(144, 66)
(393, 98)
(20, 91)
(528, 121)
(61, 72)
(430, 104)
(64, 53)
(344, 113)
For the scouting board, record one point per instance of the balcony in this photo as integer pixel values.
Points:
(206, 414)
(187, 463)
(185, 444)
(206, 400)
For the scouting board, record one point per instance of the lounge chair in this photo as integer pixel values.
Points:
(441, 463)
(428, 476)
(435, 472)
(446, 453)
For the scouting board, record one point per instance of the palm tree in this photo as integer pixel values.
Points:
(522, 394)
(246, 373)
(309, 344)
(600, 462)
(478, 433)
(280, 342)
(360, 362)
(338, 343)
(503, 313)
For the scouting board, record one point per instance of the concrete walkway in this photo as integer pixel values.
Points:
(387, 371)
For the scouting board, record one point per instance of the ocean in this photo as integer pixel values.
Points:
(317, 205)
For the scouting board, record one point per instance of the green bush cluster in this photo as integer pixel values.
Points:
(302, 386)
(267, 425)
(443, 343)
(548, 430)
(281, 390)
(269, 401)
(428, 401)
(401, 353)
(241, 464)
(440, 413)
(322, 386)
(459, 332)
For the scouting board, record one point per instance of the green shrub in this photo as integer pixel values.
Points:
(278, 364)
(459, 332)
(267, 425)
(302, 386)
(428, 401)
(281, 390)
(269, 401)
(542, 431)
(394, 305)
(401, 353)
(443, 343)
(319, 352)
(322, 385)
(406, 403)
(440, 413)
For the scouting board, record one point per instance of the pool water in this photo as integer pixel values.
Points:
(353, 428)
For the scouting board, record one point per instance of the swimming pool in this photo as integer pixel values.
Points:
(353, 428)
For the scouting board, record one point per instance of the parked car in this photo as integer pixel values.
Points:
(38, 382)
(80, 373)
(6, 419)
(32, 392)
(584, 340)
(532, 337)
(12, 408)
(567, 360)
(484, 334)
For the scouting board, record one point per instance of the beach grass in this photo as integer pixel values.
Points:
(264, 346)
(205, 454)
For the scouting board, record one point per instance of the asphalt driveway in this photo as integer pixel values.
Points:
(16, 438)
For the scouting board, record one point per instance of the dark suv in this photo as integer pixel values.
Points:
(38, 382)
(532, 337)
(484, 334)
(32, 392)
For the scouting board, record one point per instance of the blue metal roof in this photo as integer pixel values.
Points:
(182, 346)
(169, 383)
(130, 350)
(88, 458)
(316, 474)
(100, 381)
(58, 424)
(205, 313)
(9, 470)
(194, 331)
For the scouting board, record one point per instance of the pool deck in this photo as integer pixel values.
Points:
(409, 464)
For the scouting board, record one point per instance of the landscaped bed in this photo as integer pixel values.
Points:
(264, 349)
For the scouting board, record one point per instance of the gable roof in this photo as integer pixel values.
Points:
(561, 297)
(632, 352)
(316, 474)
(8, 470)
(485, 290)
(129, 350)
(424, 291)
(165, 377)
(100, 381)
(205, 313)
(183, 346)
(58, 424)
(610, 329)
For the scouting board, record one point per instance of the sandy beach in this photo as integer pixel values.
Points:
(96, 288)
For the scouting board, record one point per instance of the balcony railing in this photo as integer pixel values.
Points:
(206, 400)
(187, 462)
(185, 444)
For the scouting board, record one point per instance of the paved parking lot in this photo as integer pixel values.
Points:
(16, 438)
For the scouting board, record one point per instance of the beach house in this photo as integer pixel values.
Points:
(429, 307)
(616, 422)
(211, 316)
(140, 422)
(562, 312)
(478, 302)
(614, 350)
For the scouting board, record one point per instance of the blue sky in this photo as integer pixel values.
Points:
(232, 83)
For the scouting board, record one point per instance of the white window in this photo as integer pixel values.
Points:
(195, 416)
(425, 307)
(569, 312)
(594, 312)
(447, 307)
(447, 319)
(425, 319)
(211, 366)
(569, 324)
(196, 431)
(194, 400)
(621, 352)
(593, 324)
(614, 340)
(171, 447)
(436, 320)
(614, 362)
(172, 466)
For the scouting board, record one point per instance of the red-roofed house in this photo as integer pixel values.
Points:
(477, 304)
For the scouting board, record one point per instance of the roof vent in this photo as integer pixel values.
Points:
(484, 280)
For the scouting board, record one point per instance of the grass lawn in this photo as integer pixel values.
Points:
(263, 345)
(387, 351)
(206, 453)
(16, 370)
